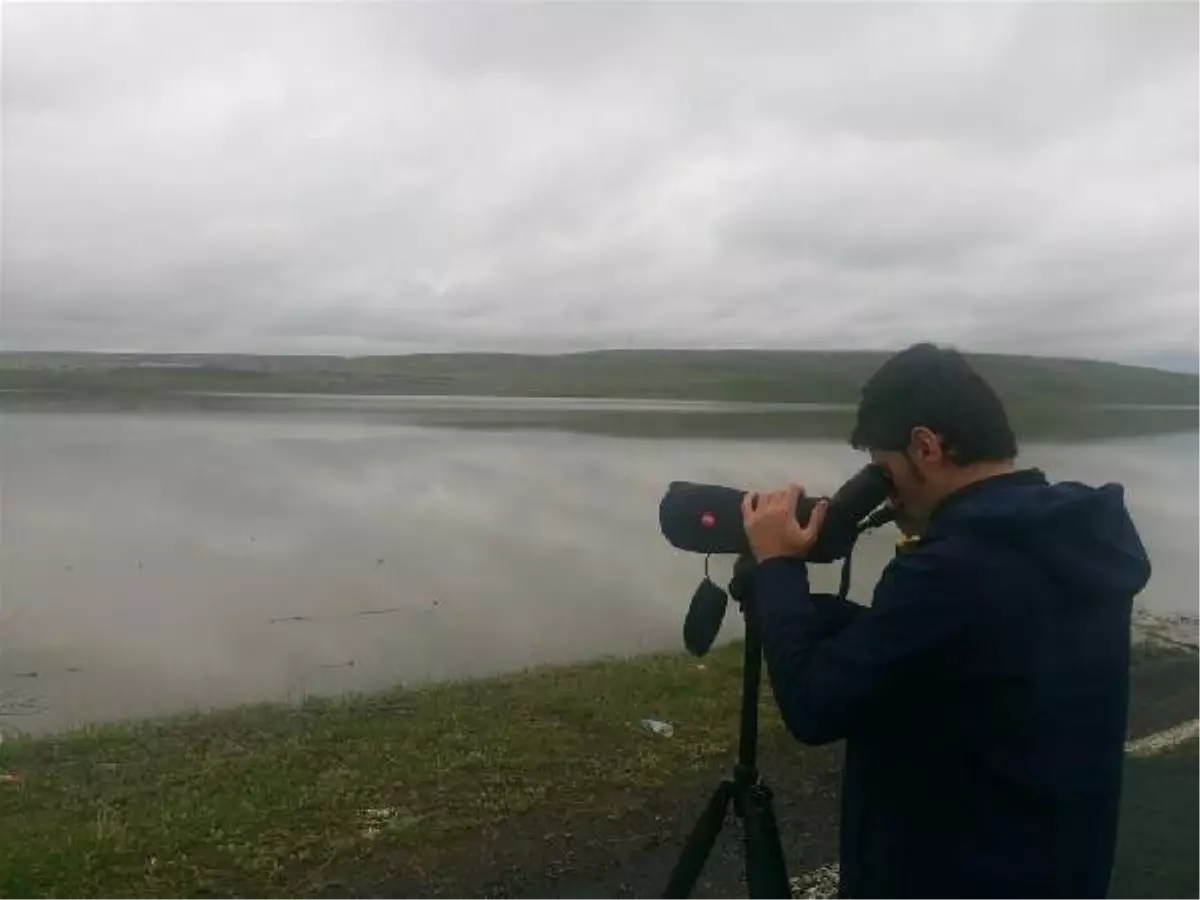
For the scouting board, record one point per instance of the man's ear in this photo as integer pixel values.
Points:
(926, 445)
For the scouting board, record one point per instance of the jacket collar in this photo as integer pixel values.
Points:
(994, 482)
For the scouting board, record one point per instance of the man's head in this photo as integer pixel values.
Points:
(934, 424)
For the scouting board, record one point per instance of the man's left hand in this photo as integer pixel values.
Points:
(771, 526)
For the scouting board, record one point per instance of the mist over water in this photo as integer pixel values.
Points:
(164, 561)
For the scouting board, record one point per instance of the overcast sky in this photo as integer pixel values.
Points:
(392, 177)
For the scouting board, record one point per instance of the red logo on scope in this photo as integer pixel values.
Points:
(708, 520)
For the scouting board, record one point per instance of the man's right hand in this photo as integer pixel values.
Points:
(771, 526)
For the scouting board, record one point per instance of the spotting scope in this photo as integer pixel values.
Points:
(707, 518)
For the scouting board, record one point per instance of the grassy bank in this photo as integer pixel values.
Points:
(273, 801)
(535, 783)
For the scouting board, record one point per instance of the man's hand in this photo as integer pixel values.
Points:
(771, 526)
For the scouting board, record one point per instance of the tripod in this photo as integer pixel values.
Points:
(766, 874)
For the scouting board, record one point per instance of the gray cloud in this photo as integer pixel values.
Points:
(393, 177)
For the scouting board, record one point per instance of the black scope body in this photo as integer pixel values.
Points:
(707, 518)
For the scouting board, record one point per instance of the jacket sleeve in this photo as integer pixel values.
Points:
(881, 666)
(834, 612)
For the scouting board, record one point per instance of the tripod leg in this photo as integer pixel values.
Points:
(766, 873)
(700, 843)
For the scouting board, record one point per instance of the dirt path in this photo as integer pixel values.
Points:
(627, 852)
(1156, 851)
(805, 783)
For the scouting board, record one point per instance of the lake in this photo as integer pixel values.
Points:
(246, 549)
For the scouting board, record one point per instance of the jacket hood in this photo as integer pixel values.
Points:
(1083, 535)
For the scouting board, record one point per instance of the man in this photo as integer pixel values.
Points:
(983, 694)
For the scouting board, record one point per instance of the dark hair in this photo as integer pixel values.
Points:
(936, 388)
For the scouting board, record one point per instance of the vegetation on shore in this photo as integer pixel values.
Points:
(516, 784)
(734, 375)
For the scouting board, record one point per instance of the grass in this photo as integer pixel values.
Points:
(484, 787)
(267, 800)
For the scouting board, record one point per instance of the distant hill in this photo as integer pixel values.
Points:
(748, 375)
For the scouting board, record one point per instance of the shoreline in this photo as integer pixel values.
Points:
(1173, 631)
(649, 416)
(1178, 629)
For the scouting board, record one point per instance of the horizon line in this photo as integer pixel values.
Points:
(606, 349)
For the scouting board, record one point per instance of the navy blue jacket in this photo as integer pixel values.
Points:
(982, 696)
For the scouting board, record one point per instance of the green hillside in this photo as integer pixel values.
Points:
(777, 376)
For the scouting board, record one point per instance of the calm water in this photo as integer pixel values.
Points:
(157, 561)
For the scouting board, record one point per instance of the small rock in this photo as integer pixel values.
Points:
(662, 729)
